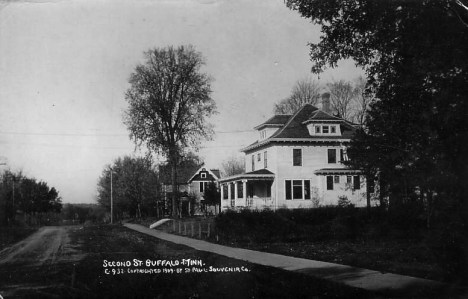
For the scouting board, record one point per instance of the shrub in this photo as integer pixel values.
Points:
(344, 202)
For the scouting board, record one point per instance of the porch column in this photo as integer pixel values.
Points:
(236, 196)
(229, 191)
(244, 191)
(222, 193)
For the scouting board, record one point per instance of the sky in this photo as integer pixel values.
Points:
(65, 65)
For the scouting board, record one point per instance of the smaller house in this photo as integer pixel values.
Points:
(184, 172)
(197, 185)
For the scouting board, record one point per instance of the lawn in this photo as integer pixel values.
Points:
(402, 253)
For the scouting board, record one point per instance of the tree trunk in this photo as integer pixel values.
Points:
(382, 191)
(368, 195)
(173, 160)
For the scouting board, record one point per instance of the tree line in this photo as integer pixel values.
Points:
(26, 199)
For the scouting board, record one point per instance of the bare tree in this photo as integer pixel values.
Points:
(233, 165)
(305, 91)
(362, 101)
(169, 101)
(342, 94)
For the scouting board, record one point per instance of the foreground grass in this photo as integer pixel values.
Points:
(115, 243)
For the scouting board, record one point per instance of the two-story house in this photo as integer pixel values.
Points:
(296, 163)
(197, 185)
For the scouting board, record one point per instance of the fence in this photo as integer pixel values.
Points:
(200, 229)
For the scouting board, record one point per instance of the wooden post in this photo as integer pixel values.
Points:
(185, 229)
(208, 235)
(199, 230)
(191, 224)
(180, 231)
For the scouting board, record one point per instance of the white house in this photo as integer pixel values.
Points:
(296, 163)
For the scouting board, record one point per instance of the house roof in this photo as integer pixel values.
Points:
(213, 172)
(263, 174)
(277, 120)
(184, 172)
(216, 172)
(295, 128)
(322, 115)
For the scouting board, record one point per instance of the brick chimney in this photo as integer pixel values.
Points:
(326, 102)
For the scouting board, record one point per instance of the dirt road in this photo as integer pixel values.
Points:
(33, 262)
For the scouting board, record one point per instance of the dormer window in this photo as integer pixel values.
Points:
(203, 175)
(262, 134)
(326, 129)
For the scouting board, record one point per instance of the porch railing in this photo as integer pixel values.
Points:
(257, 201)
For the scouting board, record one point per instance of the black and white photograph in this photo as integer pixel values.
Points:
(204, 149)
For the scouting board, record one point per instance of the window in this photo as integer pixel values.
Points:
(288, 190)
(297, 157)
(348, 179)
(331, 156)
(357, 182)
(333, 129)
(258, 157)
(325, 129)
(297, 189)
(265, 159)
(306, 189)
(337, 179)
(329, 182)
(225, 192)
(253, 162)
(240, 190)
(203, 175)
(232, 192)
(317, 129)
(202, 186)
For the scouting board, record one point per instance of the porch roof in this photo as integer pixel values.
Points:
(262, 174)
(336, 171)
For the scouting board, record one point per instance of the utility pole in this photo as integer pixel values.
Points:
(112, 201)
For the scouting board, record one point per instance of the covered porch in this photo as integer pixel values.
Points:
(247, 190)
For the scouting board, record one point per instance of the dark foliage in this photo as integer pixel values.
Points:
(416, 132)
